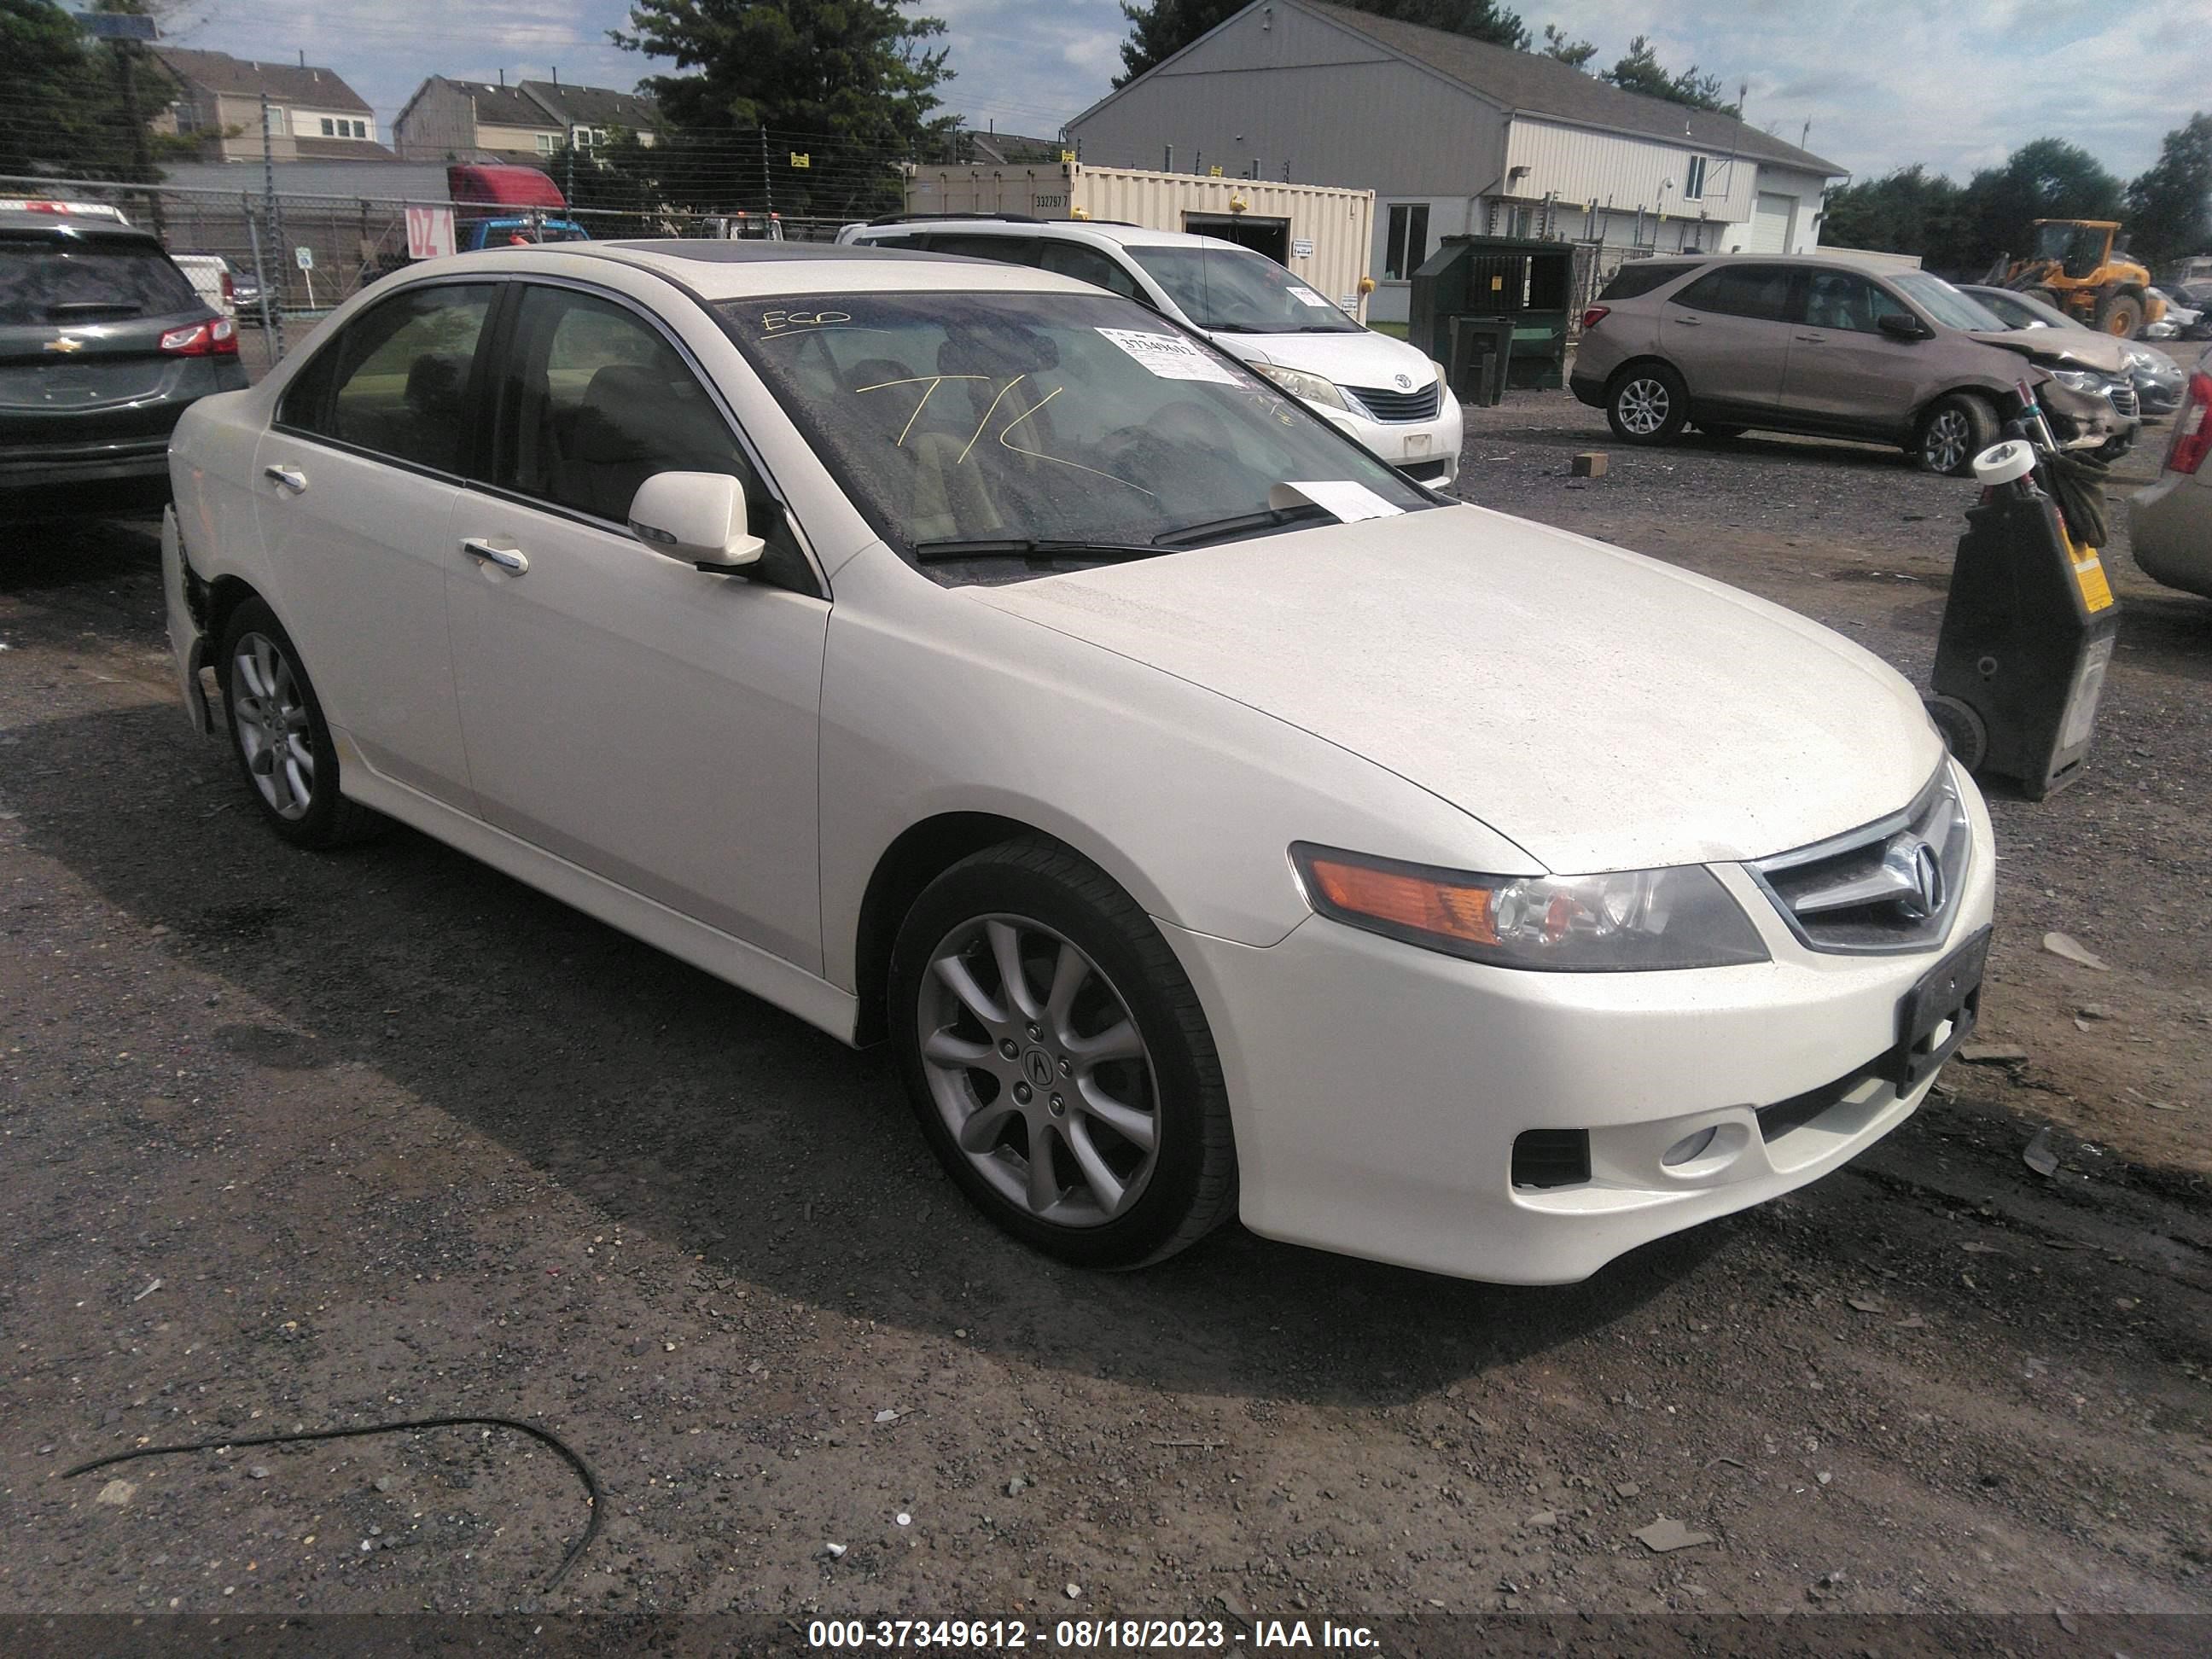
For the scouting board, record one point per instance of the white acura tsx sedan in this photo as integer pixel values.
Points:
(1213, 820)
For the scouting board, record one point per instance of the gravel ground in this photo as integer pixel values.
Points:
(319, 1141)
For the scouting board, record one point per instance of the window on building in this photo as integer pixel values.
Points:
(548, 143)
(361, 128)
(1693, 181)
(584, 137)
(279, 121)
(1406, 246)
(330, 128)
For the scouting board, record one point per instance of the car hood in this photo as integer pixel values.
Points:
(1600, 710)
(2075, 348)
(1360, 358)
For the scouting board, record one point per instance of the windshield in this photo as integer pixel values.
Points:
(2018, 311)
(1945, 303)
(1014, 417)
(1236, 291)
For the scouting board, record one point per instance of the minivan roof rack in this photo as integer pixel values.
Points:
(912, 218)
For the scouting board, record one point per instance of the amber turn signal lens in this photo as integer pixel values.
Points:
(1406, 900)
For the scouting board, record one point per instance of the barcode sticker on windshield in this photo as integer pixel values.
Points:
(1169, 357)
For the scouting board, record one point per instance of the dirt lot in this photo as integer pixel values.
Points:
(294, 1140)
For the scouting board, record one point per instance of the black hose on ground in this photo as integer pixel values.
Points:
(573, 1459)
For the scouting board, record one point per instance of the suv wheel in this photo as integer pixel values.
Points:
(1647, 405)
(1956, 429)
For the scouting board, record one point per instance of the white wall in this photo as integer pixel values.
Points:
(1586, 169)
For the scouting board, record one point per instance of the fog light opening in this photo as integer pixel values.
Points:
(1691, 1147)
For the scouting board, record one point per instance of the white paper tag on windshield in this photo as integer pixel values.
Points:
(1169, 356)
(1350, 502)
(1306, 296)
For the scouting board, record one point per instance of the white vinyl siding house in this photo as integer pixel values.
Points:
(1455, 137)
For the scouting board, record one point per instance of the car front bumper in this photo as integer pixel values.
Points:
(1377, 1090)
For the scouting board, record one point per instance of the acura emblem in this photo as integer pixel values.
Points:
(1406, 380)
(1911, 863)
(65, 344)
(1036, 1064)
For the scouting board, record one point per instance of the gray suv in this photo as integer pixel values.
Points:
(1817, 345)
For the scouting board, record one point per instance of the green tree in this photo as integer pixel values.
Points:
(1160, 28)
(62, 97)
(1910, 210)
(2170, 206)
(2046, 179)
(1639, 69)
(1573, 53)
(851, 84)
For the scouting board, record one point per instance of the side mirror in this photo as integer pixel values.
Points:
(697, 517)
(1900, 326)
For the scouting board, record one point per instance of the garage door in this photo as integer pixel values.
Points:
(1770, 222)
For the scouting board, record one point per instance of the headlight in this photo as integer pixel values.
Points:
(2078, 379)
(1626, 920)
(1309, 388)
(1439, 369)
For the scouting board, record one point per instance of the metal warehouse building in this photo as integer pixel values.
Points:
(1455, 136)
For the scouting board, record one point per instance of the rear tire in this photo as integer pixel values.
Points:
(1956, 428)
(1097, 1047)
(1647, 403)
(279, 733)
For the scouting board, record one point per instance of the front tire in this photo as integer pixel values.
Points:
(279, 735)
(1058, 1060)
(2121, 315)
(1647, 403)
(1954, 429)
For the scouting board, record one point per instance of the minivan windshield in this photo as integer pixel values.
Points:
(1943, 302)
(1043, 422)
(1232, 290)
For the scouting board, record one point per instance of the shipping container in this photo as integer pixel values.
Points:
(1323, 233)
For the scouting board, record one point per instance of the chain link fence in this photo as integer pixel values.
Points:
(306, 255)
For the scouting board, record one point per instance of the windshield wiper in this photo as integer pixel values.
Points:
(1032, 548)
(1233, 328)
(1229, 529)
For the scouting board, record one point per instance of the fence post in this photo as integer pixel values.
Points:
(273, 323)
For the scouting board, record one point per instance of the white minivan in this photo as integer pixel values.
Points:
(1382, 392)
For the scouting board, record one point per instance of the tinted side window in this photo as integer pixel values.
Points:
(1087, 264)
(595, 401)
(1632, 281)
(1757, 291)
(1006, 250)
(1836, 299)
(396, 381)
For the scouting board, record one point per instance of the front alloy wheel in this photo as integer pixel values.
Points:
(1039, 1072)
(1057, 1060)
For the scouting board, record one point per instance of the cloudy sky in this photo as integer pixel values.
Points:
(1956, 83)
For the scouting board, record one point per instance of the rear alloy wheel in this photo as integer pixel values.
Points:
(1647, 405)
(1057, 1060)
(1955, 430)
(279, 733)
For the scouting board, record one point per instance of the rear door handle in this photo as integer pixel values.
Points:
(506, 558)
(1690, 322)
(1811, 339)
(290, 477)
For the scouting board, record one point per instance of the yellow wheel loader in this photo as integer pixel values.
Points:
(2075, 266)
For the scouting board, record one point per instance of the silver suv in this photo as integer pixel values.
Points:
(1818, 344)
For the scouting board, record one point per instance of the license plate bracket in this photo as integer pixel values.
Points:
(1937, 1014)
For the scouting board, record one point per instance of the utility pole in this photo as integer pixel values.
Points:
(142, 155)
(767, 190)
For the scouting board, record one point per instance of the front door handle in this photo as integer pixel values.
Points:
(506, 558)
(1811, 339)
(290, 477)
(1690, 322)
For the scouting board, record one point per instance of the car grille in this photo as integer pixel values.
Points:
(1386, 404)
(2123, 394)
(1888, 887)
